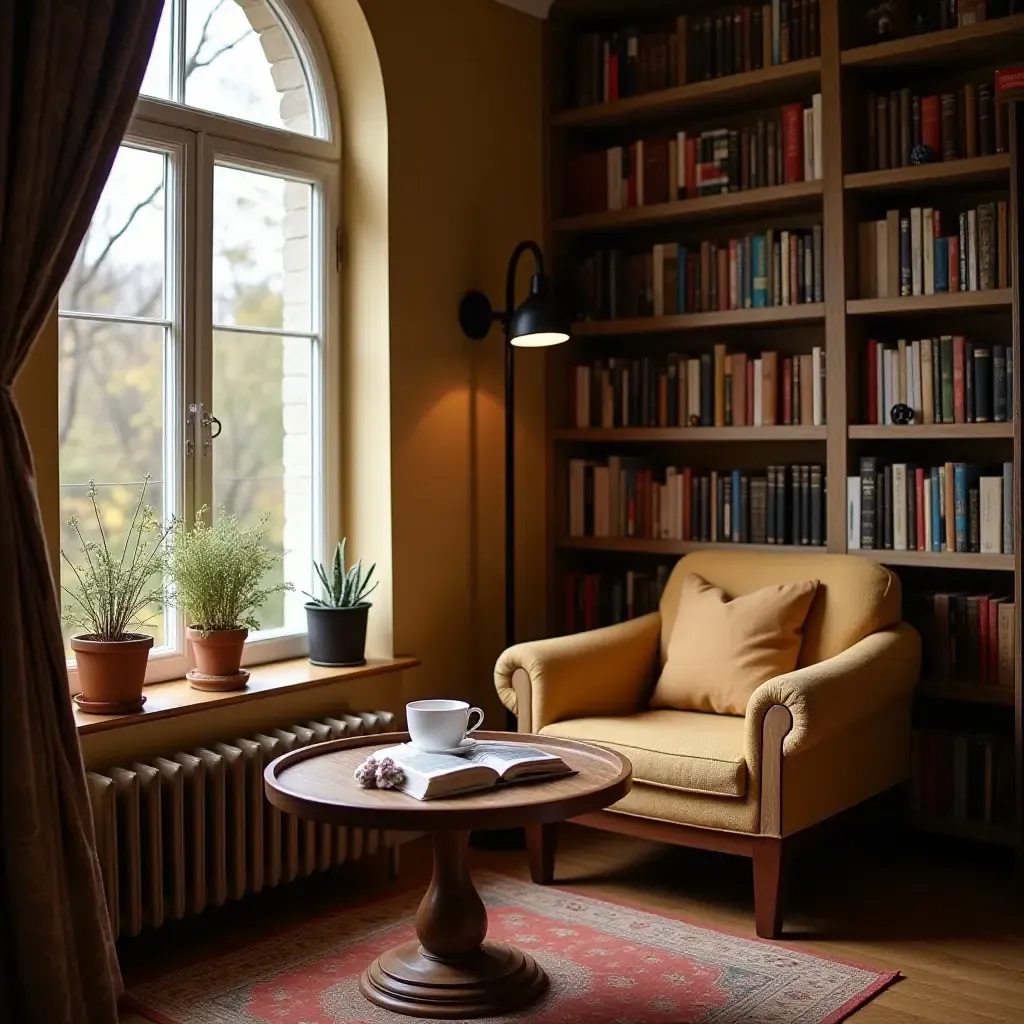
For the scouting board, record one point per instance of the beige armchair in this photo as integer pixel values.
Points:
(813, 743)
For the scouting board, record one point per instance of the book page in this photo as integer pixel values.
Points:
(425, 763)
(509, 759)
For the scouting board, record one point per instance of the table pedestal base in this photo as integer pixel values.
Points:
(494, 980)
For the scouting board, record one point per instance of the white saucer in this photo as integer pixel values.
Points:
(466, 745)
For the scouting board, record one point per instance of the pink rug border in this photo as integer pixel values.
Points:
(884, 980)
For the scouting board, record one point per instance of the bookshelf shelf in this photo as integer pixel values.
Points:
(939, 559)
(972, 693)
(975, 170)
(643, 545)
(810, 312)
(995, 298)
(637, 435)
(771, 85)
(986, 41)
(932, 432)
(799, 195)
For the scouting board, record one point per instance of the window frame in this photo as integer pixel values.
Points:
(195, 140)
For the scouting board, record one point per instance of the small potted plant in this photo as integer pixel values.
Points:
(218, 573)
(337, 621)
(113, 591)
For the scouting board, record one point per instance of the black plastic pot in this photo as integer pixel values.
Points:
(337, 636)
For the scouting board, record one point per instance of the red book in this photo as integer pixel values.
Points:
(687, 511)
(750, 391)
(793, 142)
(954, 263)
(919, 506)
(691, 167)
(931, 125)
(937, 222)
(1009, 84)
(787, 390)
(984, 640)
(871, 381)
(958, 379)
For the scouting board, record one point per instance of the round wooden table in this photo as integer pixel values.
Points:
(454, 970)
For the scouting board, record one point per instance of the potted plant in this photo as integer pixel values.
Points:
(114, 588)
(337, 621)
(218, 574)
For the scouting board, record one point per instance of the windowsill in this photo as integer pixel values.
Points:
(175, 698)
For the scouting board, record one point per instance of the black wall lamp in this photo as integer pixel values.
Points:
(537, 322)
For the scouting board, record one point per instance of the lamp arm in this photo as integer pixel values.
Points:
(510, 279)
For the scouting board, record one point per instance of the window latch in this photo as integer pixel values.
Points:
(208, 422)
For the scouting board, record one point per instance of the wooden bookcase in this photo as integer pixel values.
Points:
(844, 73)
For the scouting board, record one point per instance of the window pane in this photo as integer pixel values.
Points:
(241, 62)
(111, 410)
(263, 459)
(261, 250)
(119, 268)
(157, 80)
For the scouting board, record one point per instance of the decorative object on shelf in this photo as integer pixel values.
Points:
(694, 420)
(882, 19)
(115, 592)
(902, 414)
(218, 572)
(337, 621)
(922, 154)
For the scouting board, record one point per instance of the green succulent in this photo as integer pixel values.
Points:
(343, 588)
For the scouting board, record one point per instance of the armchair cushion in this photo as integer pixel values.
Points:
(677, 750)
(721, 649)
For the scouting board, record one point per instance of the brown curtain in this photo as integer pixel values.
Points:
(70, 71)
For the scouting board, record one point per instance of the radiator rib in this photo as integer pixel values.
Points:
(194, 829)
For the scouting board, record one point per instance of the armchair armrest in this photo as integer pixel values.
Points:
(600, 672)
(834, 695)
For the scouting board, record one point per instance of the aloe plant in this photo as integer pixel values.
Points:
(344, 588)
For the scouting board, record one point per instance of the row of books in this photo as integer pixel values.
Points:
(629, 61)
(944, 380)
(953, 125)
(962, 778)
(603, 599)
(648, 172)
(961, 507)
(777, 268)
(908, 254)
(714, 389)
(967, 638)
(623, 498)
(922, 16)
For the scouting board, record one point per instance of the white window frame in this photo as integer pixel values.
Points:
(196, 140)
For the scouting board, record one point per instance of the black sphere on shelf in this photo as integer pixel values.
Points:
(694, 420)
(902, 414)
(922, 154)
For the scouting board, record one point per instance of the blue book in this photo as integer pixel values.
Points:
(737, 510)
(681, 280)
(960, 506)
(936, 500)
(776, 31)
(942, 264)
(760, 271)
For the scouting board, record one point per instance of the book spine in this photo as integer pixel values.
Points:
(960, 512)
(1008, 507)
(868, 498)
(792, 142)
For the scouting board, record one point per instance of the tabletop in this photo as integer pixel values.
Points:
(317, 782)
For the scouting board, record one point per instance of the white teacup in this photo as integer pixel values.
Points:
(440, 724)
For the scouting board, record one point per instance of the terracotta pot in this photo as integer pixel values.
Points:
(218, 653)
(112, 671)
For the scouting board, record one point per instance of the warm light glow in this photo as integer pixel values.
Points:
(540, 340)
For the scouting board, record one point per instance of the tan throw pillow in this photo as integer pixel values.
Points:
(720, 651)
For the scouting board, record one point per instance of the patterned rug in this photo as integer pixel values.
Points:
(608, 964)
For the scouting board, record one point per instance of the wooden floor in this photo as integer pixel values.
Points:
(949, 917)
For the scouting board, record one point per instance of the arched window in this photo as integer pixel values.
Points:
(196, 323)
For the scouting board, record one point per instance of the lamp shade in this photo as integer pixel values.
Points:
(538, 321)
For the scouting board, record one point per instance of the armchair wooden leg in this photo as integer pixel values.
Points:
(541, 842)
(769, 886)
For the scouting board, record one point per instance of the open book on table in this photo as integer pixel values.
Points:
(488, 764)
